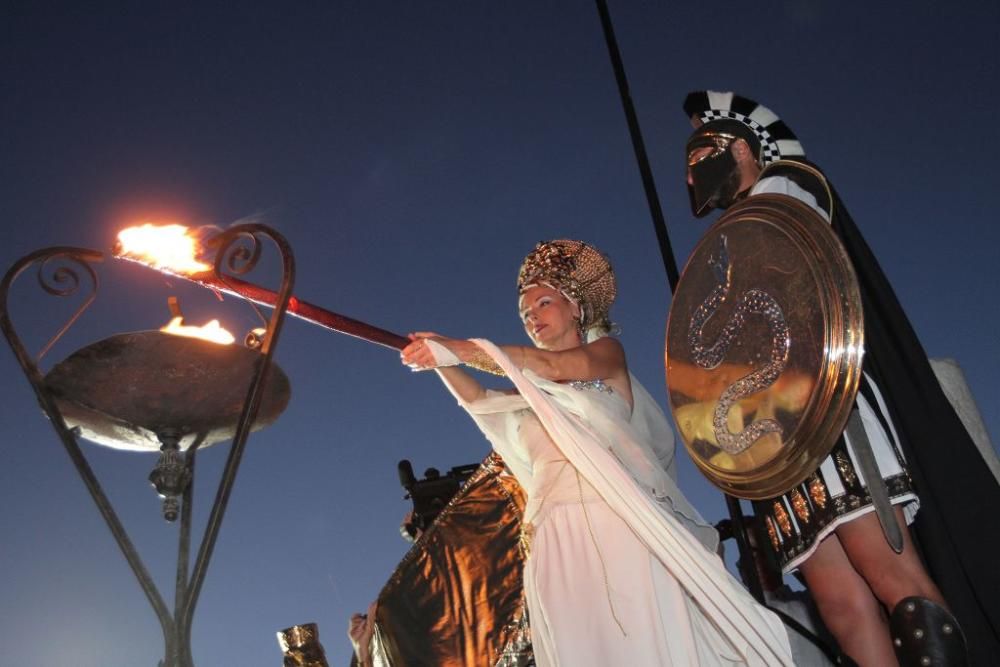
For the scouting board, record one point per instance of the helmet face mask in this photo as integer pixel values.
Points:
(713, 176)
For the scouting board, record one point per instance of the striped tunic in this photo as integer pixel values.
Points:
(797, 521)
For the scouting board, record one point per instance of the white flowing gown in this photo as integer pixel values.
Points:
(622, 570)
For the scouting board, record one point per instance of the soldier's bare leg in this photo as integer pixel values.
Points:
(891, 576)
(848, 606)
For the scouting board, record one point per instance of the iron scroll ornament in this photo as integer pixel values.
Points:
(764, 346)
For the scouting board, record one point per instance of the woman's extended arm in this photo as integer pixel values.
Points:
(600, 360)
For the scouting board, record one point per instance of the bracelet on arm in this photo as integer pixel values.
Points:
(483, 362)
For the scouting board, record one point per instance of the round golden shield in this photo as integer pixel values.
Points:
(764, 346)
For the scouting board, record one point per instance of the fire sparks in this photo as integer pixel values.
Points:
(170, 247)
(212, 331)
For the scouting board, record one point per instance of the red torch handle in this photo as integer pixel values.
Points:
(303, 310)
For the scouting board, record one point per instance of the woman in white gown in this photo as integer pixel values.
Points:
(620, 568)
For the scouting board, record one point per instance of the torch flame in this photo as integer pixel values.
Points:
(212, 331)
(170, 247)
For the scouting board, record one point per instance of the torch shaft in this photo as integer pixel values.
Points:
(304, 311)
(300, 309)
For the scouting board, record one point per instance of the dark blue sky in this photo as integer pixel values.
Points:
(412, 153)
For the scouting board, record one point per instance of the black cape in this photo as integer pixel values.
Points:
(956, 527)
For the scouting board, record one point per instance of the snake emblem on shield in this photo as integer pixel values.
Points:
(709, 356)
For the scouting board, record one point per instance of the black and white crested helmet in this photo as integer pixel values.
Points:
(777, 141)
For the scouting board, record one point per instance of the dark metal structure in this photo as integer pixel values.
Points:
(68, 271)
(431, 494)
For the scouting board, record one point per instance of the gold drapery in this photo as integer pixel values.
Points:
(456, 598)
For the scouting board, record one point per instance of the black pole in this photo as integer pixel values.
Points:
(648, 184)
(669, 263)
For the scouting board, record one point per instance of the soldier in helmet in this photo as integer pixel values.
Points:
(825, 527)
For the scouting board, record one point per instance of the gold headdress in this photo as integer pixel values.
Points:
(579, 271)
